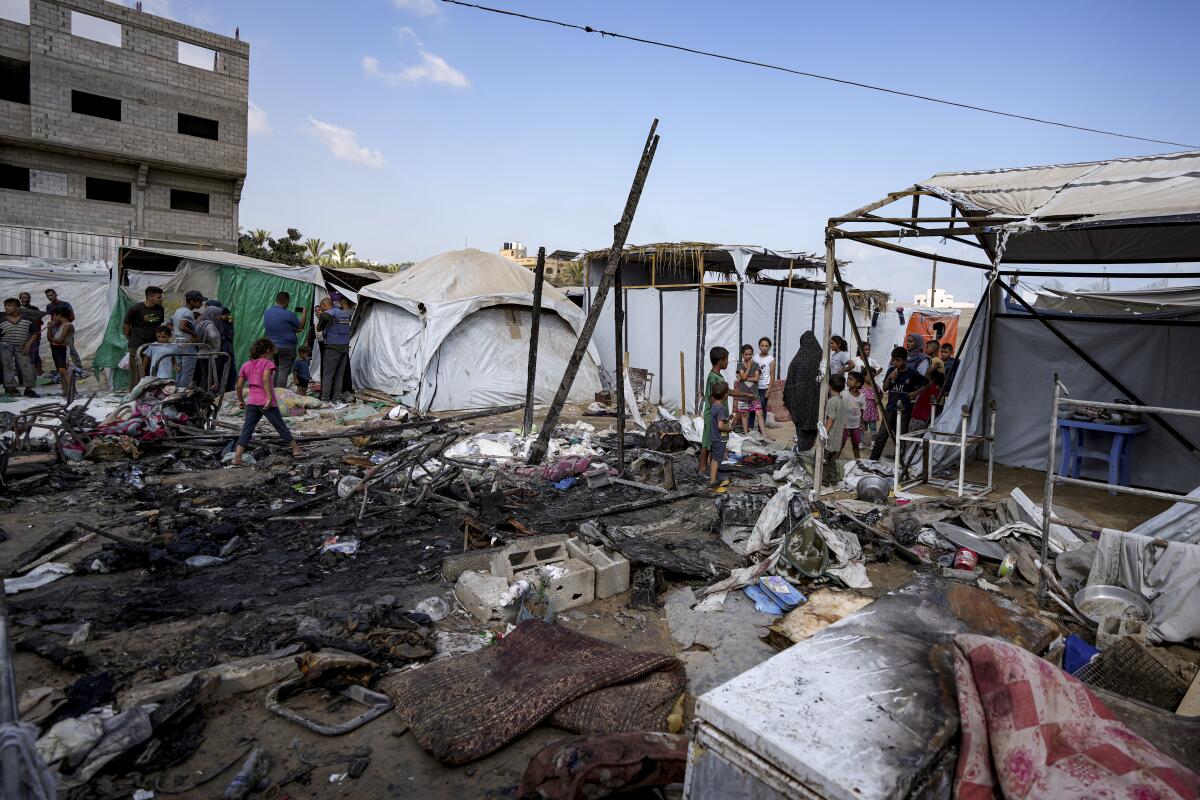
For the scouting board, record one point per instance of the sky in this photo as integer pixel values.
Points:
(411, 127)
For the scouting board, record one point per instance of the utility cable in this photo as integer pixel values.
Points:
(802, 73)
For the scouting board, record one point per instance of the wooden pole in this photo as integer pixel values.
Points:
(539, 279)
(620, 232)
(682, 384)
(619, 339)
(819, 452)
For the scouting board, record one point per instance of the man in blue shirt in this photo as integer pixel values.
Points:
(902, 386)
(335, 352)
(281, 326)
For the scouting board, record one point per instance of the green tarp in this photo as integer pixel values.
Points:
(245, 292)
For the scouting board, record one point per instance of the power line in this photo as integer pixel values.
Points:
(802, 73)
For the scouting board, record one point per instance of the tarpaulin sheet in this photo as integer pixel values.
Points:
(247, 293)
(82, 284)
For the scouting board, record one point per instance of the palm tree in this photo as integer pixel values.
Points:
(316, 250)
(260, 236)
(343, 254)
(571, 274)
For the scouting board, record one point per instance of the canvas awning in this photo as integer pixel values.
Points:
(146, 258)
(1126, 210)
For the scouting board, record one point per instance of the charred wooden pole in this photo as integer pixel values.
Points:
(819, 451)
(619, 338)
(620, 232)
(539, 278)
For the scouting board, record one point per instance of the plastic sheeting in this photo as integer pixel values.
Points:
(401, 341)
(247, 293)
(1169, 577)
(82, 284)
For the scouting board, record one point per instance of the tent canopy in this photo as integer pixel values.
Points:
(83, 284)
(449, 333)
(683, 262)
(1127, 210)
(163, 259)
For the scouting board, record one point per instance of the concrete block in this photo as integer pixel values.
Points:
(612, 568)
(576, 586)
(480, 593)
(530, 552)
(1111, 629)
(456, 564)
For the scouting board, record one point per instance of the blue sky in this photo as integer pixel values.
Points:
(407, 127)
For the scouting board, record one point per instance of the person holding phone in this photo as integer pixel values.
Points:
(282, 327)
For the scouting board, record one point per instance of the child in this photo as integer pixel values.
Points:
(719, 358)
(855, 406)
(718, 418)
(870, 414)
(835, 426)
(766, 373)
(258, 374)
(157, 358)
(301, 373)
(62, 339)
(748, 373)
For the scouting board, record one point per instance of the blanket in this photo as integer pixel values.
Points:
(463, 708)
(591, 767)
(1030, 730)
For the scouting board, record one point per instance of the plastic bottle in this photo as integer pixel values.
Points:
(250, 777)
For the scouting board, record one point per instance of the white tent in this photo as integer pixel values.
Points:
(452, 332)
(83, 284)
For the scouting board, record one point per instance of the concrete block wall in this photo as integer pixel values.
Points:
(64, 148)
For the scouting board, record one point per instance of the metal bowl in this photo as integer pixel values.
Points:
(1097, 602)
(873, 489)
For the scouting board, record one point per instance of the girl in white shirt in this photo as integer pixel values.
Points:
(766, 373)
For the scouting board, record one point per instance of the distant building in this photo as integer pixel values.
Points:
(558, 264)
(941, 299)
(117, 125)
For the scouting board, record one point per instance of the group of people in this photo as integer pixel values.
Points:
(173, 348)
(918, 376)
(21, 330)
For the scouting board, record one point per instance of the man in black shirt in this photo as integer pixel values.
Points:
(141, 325)
(34, 315)
(902, 386)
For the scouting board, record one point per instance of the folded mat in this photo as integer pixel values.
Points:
(1030, 730)
(591, 767)
(463, 708)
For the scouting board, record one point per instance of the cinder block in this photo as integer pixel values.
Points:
(612, 568)
(1110, 629)
(530, 552)
(456, 564)
(481, 593)
(576, 586)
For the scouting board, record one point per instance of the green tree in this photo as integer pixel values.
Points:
(317, 250)
(343, 254)
(285, 250)
(260, 236)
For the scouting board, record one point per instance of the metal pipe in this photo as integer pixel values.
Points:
(1183, 412)
(1113, 487)
(991, 443)
(962, 452)
(9, 757)
(899, 438)
(1048, 497)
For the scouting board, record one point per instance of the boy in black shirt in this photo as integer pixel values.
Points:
(902, 385)
(141, 327)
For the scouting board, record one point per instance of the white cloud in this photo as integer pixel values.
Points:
(422, 8)
(343, 144)
(432, 69)
(256, 121)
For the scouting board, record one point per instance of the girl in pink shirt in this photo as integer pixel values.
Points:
(257, 375)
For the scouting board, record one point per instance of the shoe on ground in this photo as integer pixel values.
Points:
(30, 393)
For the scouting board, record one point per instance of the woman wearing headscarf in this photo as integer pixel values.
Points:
(225, 323)
(208, 337)
(802, 390)
(914, 343)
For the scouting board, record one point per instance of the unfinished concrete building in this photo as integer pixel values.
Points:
(117, 126)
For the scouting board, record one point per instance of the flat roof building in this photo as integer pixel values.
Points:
(117, 126)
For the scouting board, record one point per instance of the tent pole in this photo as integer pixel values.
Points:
(539, 278)
(1079, 351)
(858, 340)
(993, 298)
(819, 453)
(620, 232)
(619, 341)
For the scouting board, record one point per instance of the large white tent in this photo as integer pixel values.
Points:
(83, 284)
(452, 332)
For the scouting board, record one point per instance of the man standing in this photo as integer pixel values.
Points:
(281, 326)
(334, 323)
(53, 306)
(141, 324)
(16, 335)
(184, 323)
(903, 384)
(34, 315)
